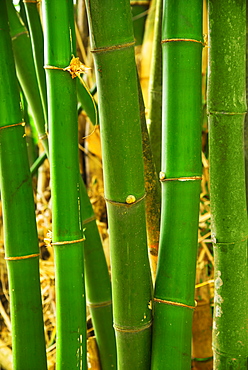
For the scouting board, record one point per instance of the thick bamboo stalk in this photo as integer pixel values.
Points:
(21, 241)
(227, 108)
(26, 71)
(180, 177)
(154, 116)
(113, 49)
(67, 226)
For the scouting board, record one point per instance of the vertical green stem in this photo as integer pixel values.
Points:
(113, 49)
(227, 108)
(180, 177)
(21, 241)
(154, 121)
(67, 225)
(26, 71)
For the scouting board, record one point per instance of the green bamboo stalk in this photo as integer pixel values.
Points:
(21, 241)
(180, 176)
(67, 226)
(98, 287)
(97, 278)
(113, 49)
(98, 291)
(26, 70)
(139, 13)
(37, 42)
(37, 163)
(153, 192)
(227, 108)
(154, 118)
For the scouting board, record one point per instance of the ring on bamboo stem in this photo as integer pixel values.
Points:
(175, 303)
(113, 47)
(134, 329)
(22, 257)
(75, 68)
(15, 124)
(68, 242)
(139, 3)
(89, 220)
(226, 113)
(130, 201)
(43, 136)
(31, 1)
(187, 40)
(162, 178)
(214, 241)
(101, 304)
(19, 34)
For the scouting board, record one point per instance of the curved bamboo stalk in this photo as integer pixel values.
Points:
(227, 107)
(26, 71)
(113, 52)
(21, 241)
(37, 41)
(180, 177)
(67, 226)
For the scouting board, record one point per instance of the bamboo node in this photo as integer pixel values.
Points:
(43, 136)
(174, 303)
(68, 242)
(75, 68)
(100, 304)
(163, 178)
(133, 2)
(130, 200)
(18, 258)
(32, 1)
(113, 47)
(179, 39)
(19, 34)
(133, 329)
(225, 113)
(15, 124)
(49, 242)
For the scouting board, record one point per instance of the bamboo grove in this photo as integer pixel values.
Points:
(135, 268)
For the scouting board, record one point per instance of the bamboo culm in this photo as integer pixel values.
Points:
(182, 44)
(226, 109)
(96, 275)
(26, 71)
(20, 233)
(113, 50)
(67, 226)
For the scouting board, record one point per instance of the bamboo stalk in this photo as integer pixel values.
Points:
(154, 116)
(21, 241)
(113, 52)
(227, 107)
(67, 227)
(37, 41)
(180, 177)
(139, 13)
(153, 193)
(97, 278)
(26, 71)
